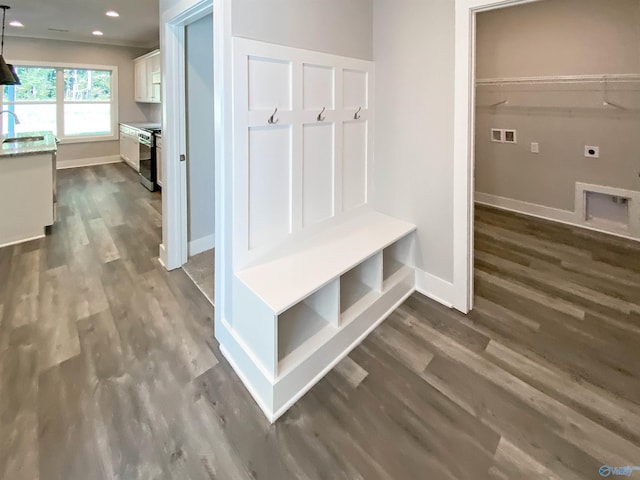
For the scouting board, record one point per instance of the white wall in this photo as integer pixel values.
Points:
(558, 37)
(32, 49)
(413, 167)
(200, 141)
(340, 27)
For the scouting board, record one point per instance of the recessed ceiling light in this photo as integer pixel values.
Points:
(16, 23)
(112, 13)
(97, 33)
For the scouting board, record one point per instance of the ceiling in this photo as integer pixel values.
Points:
(137, 25)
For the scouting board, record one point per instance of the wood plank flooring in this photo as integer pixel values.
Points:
(199, 268)
(109, 368)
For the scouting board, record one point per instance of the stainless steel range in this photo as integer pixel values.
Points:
(148, 159)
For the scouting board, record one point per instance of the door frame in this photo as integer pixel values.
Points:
(464, 143)
(174, 249)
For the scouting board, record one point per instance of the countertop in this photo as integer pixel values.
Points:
(142, 125)
(48, 145)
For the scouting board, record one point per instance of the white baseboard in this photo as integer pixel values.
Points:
(435, 288)
(546, 213)
(9, 242)
(532, 209)
(87, 162)
(201, 245)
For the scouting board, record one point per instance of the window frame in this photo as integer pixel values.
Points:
(60, 103)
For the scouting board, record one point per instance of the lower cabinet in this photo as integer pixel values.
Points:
(129, 147)
(124, 150)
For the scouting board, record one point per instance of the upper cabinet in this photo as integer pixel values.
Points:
(147, 77)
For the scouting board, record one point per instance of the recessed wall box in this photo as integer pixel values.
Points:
(510, 136)
(497, 135)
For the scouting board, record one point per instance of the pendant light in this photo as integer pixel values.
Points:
(8, 74)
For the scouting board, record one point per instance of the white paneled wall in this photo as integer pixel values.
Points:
(303, 133)
(318, 160)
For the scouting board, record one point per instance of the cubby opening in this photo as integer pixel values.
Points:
(307, 325)
(360, 286)
(397, 259)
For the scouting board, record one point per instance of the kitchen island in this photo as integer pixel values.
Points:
(27, 186)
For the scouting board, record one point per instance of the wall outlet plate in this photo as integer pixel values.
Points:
(591, 151)
(535, 147)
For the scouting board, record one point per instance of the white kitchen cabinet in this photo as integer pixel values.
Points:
(159, 159)
(129, 146)
(124, 151)
(140, 85)
(147, 78)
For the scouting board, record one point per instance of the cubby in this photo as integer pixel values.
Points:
(397, 261)
(306, 325)
(360, 287)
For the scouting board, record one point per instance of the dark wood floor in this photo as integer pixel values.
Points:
(109, 370)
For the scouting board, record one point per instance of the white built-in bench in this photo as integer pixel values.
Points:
(297, 314)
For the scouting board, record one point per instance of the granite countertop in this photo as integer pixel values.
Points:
(143, 125)
(15, 149)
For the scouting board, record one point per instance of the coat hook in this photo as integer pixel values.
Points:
(357, 114)
(320, 117)
(272, 120)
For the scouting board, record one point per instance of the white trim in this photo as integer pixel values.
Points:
(463, 156)
(435, 288)
(548, 213)
(247, 384)
(87, 162)
(174, 198)
(201, 245)
(147, 55)
(223, 90)
(532, 209)
(24, 240)
(65, 65)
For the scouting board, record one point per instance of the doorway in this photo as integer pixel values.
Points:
(174, 250)
(464, 144)
(200, 157)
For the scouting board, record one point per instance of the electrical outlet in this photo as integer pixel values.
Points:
(591, 151)
(535, 147)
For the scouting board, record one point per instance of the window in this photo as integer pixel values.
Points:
(78, 103)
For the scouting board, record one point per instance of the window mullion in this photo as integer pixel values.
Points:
(60, 102)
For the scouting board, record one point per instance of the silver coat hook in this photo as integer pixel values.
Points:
(272, 120)
(356, 116)
(320, 117)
